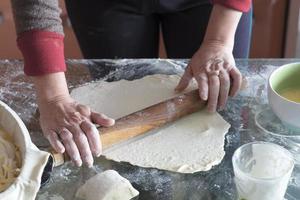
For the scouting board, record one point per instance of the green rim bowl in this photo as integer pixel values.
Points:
(286, 76)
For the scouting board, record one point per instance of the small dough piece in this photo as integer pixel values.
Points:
(108, 185)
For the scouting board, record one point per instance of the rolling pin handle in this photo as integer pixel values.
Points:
(58, 158)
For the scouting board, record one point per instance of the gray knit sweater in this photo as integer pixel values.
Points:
(37, 14)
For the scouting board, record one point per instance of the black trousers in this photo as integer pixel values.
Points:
(130, 28)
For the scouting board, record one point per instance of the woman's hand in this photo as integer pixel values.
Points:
(214, 69)
(69, 127)
(67, 124)
(213, 64)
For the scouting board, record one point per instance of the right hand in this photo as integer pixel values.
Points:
(69, 127)
(213, 67)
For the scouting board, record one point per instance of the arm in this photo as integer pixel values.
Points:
(39, 35)
(240, 5)
(213, 64)
(65, 123)
(40, 39)
(222, 26)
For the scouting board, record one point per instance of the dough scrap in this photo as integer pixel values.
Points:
(108, 185)
(193, 143)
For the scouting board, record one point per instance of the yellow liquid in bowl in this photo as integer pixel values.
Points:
(292, 94)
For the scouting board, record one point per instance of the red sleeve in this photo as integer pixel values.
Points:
(43, 52)
(241, 5)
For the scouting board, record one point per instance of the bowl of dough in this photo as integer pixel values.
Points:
(284, 94)
(21, 162)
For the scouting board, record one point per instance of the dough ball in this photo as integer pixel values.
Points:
(108, 185)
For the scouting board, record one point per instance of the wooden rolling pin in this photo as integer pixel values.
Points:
(145, 120)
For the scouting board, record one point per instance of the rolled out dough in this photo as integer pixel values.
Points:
(193, 143)
(121, 98)
(108, 185)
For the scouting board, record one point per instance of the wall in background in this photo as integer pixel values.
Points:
(8, 48)
(269, 23)
(292, 43)
(297, 54)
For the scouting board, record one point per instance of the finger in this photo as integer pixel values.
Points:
(236, 81)
(214, 88)
(84, 110)
(71, 148)
(93, 137)
(75, 118)
(55, 142)
(224, 88)
(202, 81)
(185, 80)
(102, 119)
(82, 145)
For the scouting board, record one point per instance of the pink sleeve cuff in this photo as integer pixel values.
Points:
(240, 5)
(43, 52)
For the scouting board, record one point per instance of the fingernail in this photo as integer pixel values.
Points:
(203, 96)
(77, 160)
(78, 163)
(61, 150)
(61, 147)
(89, 161)
(220, 108)
(98, 154)
(111, 121)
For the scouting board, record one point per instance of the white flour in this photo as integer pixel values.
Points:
(266, 174)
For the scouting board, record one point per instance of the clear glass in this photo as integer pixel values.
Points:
(262, 171)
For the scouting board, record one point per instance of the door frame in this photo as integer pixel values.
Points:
(292, 36)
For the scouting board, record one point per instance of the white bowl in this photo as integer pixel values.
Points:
(27, 183)
(286, 110)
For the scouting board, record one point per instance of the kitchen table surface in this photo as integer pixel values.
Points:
(17, 91)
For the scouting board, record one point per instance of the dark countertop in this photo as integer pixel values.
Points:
(17, 91)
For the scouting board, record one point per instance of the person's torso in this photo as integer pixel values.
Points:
(176, 5)
(163, 6)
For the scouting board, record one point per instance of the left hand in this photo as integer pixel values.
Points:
(214, 69)
(69, 127)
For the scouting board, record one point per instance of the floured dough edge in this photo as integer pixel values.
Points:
(107, 185)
